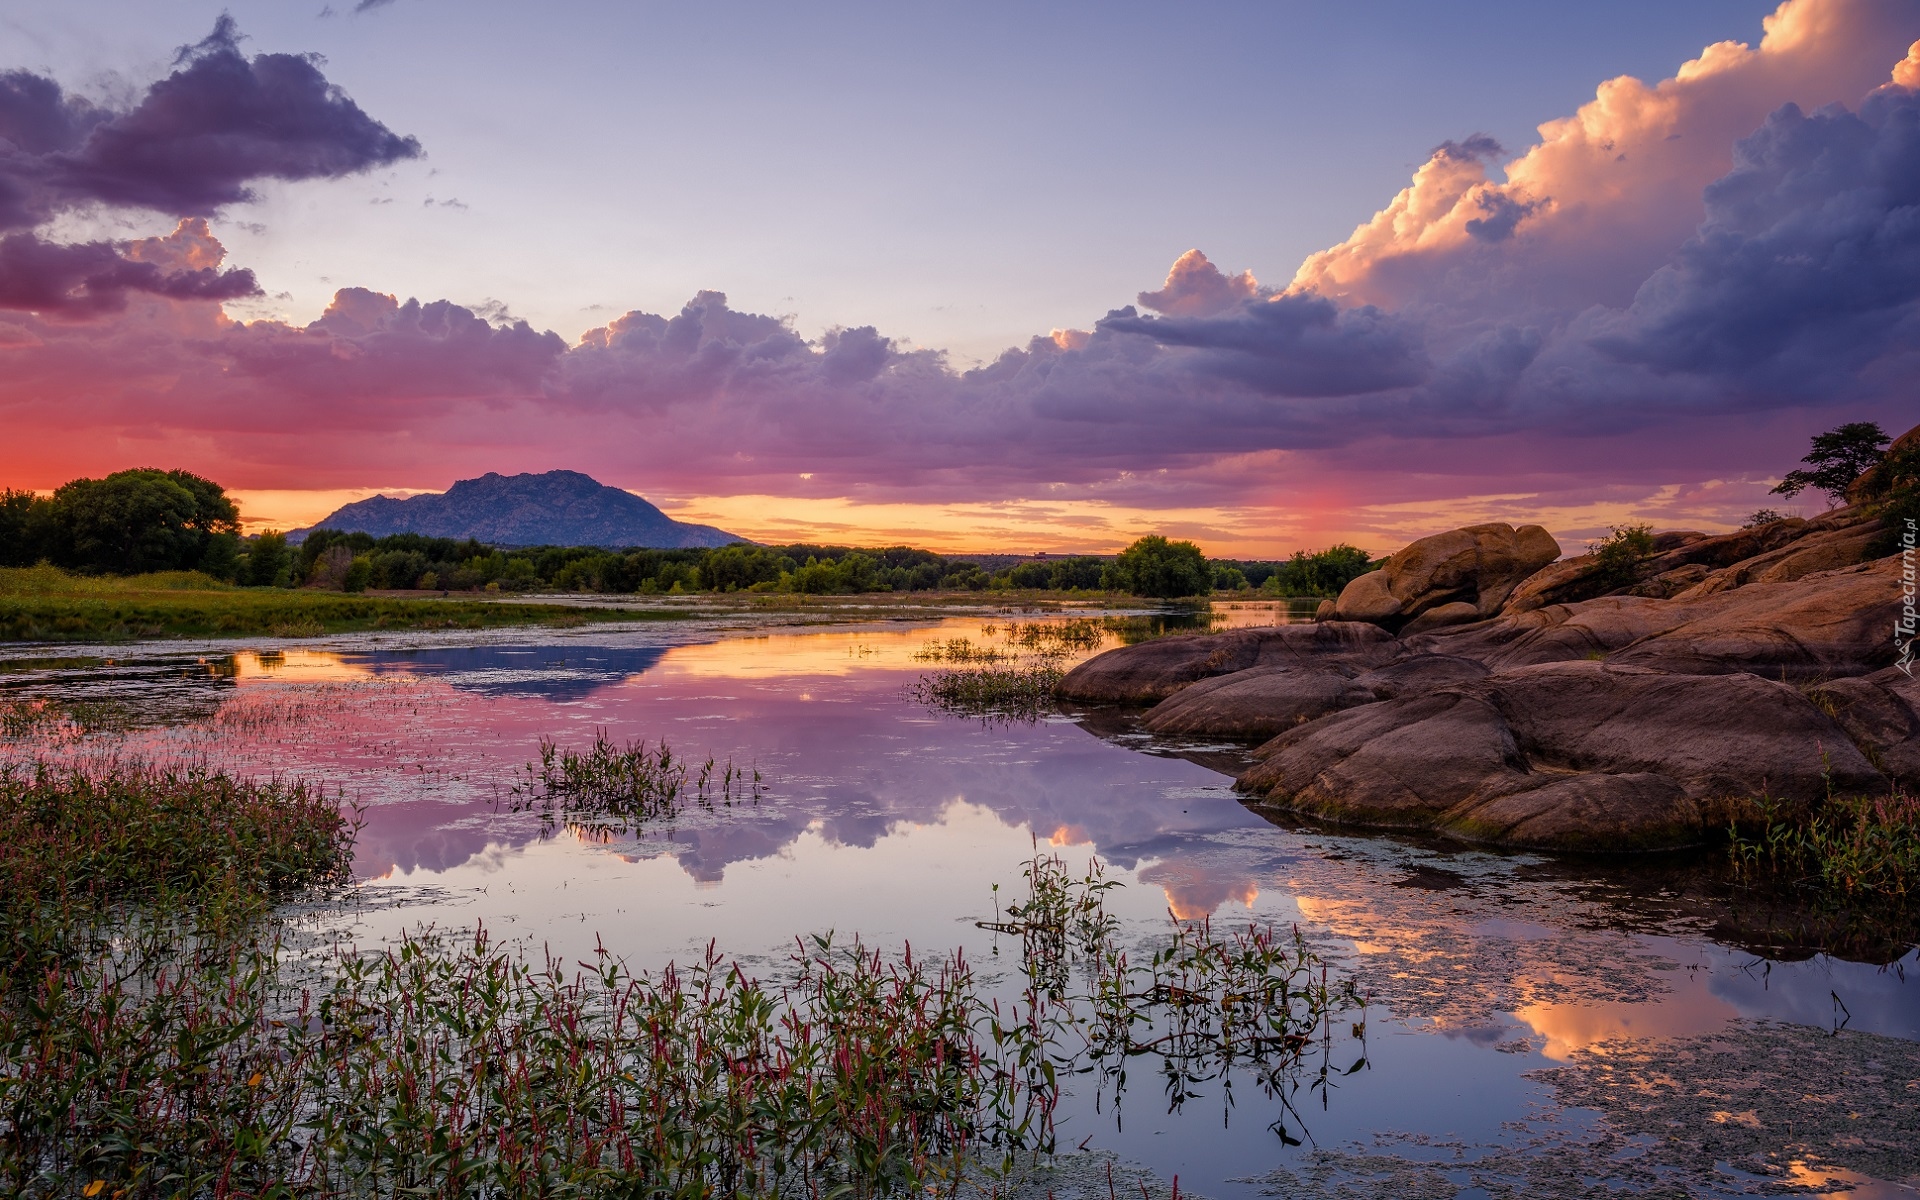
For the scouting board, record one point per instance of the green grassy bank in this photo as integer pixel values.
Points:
(45, 604)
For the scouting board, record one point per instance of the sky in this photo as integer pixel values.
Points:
(1268, 276)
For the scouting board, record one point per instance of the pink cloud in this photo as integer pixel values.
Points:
(1653, 298)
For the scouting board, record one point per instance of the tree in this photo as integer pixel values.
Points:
(1319, 572)
(738, 567)
(1164, 570)
(23, 528)
(269, 563)
(1839, 457)
(143, 520)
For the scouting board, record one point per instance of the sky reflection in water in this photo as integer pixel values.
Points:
(887, 819)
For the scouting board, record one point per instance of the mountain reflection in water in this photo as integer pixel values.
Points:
(887, 818)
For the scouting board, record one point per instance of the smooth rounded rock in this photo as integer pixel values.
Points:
(1567, 756)
(1149, 672)
(1258, 703)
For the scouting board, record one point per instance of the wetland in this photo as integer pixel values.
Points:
(679, 800)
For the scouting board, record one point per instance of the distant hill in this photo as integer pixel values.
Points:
(558, 508)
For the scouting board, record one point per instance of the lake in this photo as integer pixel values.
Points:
(1532, 1025)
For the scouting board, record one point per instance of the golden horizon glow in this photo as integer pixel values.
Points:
(1084, 526)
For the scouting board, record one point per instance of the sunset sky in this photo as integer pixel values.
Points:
(1018, 277)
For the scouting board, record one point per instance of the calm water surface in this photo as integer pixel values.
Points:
(1531, 1023)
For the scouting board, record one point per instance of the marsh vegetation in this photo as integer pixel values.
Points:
(46, 604)
(165, 1031)
(610, 789)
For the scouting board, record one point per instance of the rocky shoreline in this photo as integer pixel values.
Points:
(1481, 687)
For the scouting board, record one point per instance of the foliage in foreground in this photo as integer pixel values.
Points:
(45, 604)
(81, 847)
(172, 1058)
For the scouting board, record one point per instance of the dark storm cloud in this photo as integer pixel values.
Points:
(1299, 345)
(1475, 148)
(194, 143)
(1504, 214)
(1807, 267)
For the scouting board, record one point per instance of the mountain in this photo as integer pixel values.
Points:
(558, 508)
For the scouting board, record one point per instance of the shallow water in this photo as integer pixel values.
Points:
(1533, 1025)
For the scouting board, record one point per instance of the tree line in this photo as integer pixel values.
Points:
(144, 520)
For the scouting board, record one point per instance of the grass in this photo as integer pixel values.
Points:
(1197, 1007)
(610, 789)
(45, 604)
(1014, 672)
(1855, 847)
(173, 1058)
(1022, 691)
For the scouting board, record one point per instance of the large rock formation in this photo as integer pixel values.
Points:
(1519, 707)
(1567, 756)
(1152, 671)
(1468, 572)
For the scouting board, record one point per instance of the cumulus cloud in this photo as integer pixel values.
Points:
(85, 279)
(1602, 200)
(199, 137)
(1739, 238)
(1298, 345)
(1197, 288)
(1807, 267)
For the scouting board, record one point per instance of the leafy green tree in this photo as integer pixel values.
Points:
(144, 520)
(24, 521)
(1317, 572)
(359, 574)
(1156, 567)
(1078, 571)
(738, 567)
(269, 561)
(1031, 575)
(1839, 457)
(1228, 578)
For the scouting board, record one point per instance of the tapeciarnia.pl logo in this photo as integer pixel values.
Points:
(1903, 626)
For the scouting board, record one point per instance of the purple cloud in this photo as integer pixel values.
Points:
(193, 144)
(84, 279)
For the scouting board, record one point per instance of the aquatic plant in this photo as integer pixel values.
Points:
(1073, 635)
(1862, 847)
(1022, 691)
(611, 788)
(186, 1057)
(74, 843)
(961, 650)
(1197, 1004)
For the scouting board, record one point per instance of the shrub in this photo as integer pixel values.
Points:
(358, 575)
(1617, 557)
(1319, 572)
